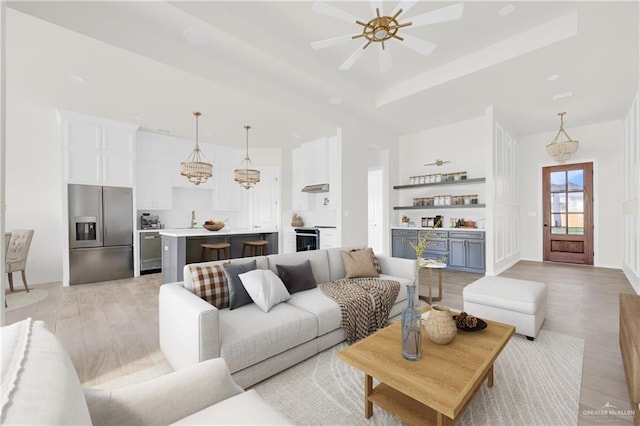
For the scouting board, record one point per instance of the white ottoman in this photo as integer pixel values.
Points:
(520, 303)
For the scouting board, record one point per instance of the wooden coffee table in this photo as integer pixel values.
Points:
(437, 388)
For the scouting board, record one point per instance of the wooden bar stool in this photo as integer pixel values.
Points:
(220, 248)
(253, 246)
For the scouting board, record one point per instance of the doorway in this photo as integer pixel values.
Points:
(567, 206)
(375, 210)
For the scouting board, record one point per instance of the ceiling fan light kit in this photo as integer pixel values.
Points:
(385, 27)
(197, 169)
(562, 146)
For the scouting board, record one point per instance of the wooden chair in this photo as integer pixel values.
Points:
(16, 254)
(253, 247)
(222, 251)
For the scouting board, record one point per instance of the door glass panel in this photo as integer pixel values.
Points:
(559, 202)
(558, 223)
(576, 223)
(576, 202)
(558, 181)
(576, 180)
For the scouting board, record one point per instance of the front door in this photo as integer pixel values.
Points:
(568, 213)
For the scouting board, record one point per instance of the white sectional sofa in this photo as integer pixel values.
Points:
(40, 387)
(255, 344)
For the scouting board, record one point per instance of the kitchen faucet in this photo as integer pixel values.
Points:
(193, 219)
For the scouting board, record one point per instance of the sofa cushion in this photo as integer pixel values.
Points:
(210, 283)
(326, 311)
(47, 390)
(318, 259)
(297, 277)
(359, 263)
(265, 288)
(238, 296)
(248, 335)
(246, 408)
(261, 263)
(336, 265)
(507, 293)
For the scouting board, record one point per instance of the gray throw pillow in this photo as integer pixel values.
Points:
(238, 296)
(297, 277)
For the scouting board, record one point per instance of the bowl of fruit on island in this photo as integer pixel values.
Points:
(213, 225)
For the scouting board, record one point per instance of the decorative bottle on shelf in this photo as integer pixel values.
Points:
(411, 321)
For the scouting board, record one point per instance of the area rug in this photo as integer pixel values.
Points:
(536, 383)
(21, 299)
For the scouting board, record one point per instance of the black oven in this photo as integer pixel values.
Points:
(307, 239)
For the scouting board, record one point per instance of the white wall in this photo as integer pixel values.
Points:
(465, 144)
(600, 143)
(631, 194)
(33, 185)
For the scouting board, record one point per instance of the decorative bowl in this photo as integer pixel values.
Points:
(214, 227)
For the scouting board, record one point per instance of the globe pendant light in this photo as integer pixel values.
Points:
(245, 174)
(197, 169)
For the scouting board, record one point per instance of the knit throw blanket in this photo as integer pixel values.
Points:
(365, 304)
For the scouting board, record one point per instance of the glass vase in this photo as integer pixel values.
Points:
(411, 321)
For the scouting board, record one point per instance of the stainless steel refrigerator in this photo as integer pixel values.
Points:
(100, 233)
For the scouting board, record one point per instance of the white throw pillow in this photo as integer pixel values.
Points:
(265, 288)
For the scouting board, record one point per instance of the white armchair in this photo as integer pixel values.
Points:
(40, 386)
(17, 251)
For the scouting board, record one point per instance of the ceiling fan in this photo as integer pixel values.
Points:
(382, 28)
(437, 163)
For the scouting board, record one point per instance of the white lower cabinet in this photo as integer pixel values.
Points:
(329, 238)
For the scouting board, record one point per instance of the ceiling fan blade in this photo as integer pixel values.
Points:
(376, 5)
(384, 57)
(421, 46)
(405, 5)
(445, 14)
(327, 9)
(321, 44)
(346, 65)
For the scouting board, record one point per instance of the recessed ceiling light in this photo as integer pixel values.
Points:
(137, 118)
(335, 100)
(164, 130)
(507, 10)
(77, 78)
(196, 37)
(562, 95)
(553, 77)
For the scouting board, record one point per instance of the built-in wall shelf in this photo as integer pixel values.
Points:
(454, 206)
(450, 182)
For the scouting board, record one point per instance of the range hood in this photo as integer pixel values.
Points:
(319, 187)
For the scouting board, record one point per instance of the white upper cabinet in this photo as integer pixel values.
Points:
(97, 151)
(264, 199)
(299, 199)
(314, 163)
(154, 172)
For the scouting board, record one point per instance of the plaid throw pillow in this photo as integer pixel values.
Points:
(375, 261)
(210, 283)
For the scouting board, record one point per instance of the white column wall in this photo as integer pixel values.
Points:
(599, 143)
(631, 195)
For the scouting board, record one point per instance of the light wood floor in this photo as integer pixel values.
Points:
(111, 329)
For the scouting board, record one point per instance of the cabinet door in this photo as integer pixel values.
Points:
(457, 253)
(333, 167)
(409, 252)
(397, 245)
(83, 145)
(475, 254)
(118, 156)
(264, 198)
(299, 199)
(144, 184)
(162, 189)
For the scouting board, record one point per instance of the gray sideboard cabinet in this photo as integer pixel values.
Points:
(467, 251)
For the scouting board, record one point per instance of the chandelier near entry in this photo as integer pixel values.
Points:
(197, 169)
(246, 175)
(562, 146)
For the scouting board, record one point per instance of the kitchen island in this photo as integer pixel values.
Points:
(181, 247)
